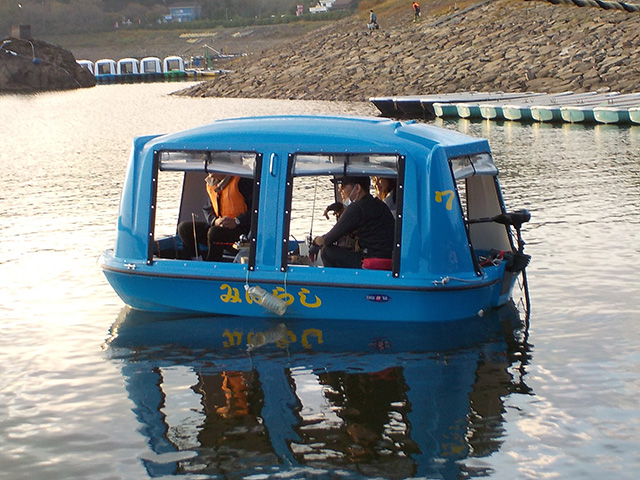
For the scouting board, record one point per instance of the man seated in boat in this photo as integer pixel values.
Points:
(228, 217)
(365, 217)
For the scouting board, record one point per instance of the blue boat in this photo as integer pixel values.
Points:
(456, 253)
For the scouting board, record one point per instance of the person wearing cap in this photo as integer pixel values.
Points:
(367, 218)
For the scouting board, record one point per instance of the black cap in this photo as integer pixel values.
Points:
(364, 182)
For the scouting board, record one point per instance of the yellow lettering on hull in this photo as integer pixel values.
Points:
(306, 298)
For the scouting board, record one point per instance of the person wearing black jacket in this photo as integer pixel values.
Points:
(365, 217)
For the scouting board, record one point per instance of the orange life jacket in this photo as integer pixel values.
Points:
(229, 202)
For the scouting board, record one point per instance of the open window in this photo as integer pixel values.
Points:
(479, 194)
(180, 197)
(310, 191)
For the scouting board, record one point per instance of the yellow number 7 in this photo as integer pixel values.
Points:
(449, 203)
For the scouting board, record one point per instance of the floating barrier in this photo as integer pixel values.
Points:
(591, 107)
(424, 106)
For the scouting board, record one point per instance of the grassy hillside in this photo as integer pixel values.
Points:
(161, 43)
(253, 39)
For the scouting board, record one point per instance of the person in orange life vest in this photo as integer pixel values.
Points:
(416, 11)
(228, 216)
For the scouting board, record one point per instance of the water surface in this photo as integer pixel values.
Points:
(82, 398)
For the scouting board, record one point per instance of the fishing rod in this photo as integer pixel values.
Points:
(313, 213)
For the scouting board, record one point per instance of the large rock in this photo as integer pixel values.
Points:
(33, 65)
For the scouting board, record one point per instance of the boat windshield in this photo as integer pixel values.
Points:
(233, 163)
(345, 164)
(469, 165)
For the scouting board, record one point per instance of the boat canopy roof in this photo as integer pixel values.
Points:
(347, 142)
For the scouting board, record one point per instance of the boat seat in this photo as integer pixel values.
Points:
(377, 264)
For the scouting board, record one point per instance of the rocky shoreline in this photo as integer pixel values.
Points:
(502, 45)
(30, 65)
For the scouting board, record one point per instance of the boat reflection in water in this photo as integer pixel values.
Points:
(236, 397)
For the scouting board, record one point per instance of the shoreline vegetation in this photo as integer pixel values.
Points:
(500, 45)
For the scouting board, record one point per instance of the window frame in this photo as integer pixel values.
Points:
(206, 167)
(346, 168)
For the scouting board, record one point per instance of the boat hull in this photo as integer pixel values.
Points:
(577, 114)
(517, 113)
(611, 115)
(445, 110)
(160, 289)
(491, 112)
(546, 113)
(468, 110)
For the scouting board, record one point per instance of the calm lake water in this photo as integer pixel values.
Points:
(91, 390)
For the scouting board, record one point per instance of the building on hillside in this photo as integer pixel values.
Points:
(326, 5)
(183, 13)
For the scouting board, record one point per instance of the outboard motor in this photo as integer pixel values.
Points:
(516, 261)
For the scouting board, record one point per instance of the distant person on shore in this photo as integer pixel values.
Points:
(416, 12)
(373, 21)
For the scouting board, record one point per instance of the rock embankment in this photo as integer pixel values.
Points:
(30, 65)
(502, 45)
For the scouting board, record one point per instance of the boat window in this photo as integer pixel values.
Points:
(309, 164)
(172, 65)
(479, 197)
(150, 67)
(310, 196)
(181, 198)
(234, 163)
(311, 191)
(345, 164)
(370, 165)
(469, 165)
(104, 68)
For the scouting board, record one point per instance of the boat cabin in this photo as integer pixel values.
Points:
(173, 64)
(86, 64)
(446, 184)
(106, 66)
(150, 65)
(128, 66)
